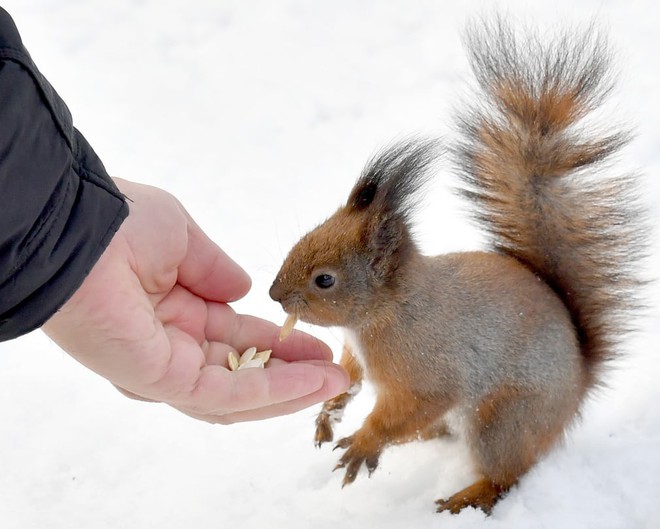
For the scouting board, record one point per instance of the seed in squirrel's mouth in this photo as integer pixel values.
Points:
(288, 326)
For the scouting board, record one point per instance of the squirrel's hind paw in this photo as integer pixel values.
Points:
(483, 495)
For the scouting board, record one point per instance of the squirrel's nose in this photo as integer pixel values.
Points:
(275, 291)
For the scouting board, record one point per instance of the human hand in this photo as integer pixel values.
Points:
(152, 317)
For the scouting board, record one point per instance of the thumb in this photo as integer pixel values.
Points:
(208, 271)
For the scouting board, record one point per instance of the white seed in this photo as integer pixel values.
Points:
(232, 360)
(250, 358)
(256, 362)
(247, 355)
(288, 326)
(264, 355)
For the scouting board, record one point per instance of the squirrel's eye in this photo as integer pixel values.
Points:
(324, 281)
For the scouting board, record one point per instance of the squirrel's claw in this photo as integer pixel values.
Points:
(372, 464)
(345, 443)
(353, 459)
(352, 465)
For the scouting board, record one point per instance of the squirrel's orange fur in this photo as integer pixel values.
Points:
(510, 340)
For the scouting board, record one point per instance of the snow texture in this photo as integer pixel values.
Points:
(259, 115)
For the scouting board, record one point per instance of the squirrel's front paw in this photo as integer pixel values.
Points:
(331, 413)
(324, 433)
(357, 452)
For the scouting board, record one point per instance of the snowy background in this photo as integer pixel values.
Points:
(259, 115)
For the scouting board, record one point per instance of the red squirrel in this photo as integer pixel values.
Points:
(509, 340)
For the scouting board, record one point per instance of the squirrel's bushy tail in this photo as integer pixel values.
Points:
(540, 180)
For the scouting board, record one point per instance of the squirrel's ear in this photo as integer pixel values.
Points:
(363, 194)
(388, 242)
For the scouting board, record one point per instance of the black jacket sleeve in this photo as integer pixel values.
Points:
(59, 209)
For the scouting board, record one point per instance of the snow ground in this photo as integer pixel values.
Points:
(259, 115)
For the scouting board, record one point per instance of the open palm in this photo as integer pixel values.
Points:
(152, 317)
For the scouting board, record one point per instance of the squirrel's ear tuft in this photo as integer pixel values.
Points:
(363, 195)
(391, 181)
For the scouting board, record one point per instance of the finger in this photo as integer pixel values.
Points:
(208, 271)
(216, 353)
(183, 309)
(327, 392)
(221, 392)
(243, 331)
(131, 395)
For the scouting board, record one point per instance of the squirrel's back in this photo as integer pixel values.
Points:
(538, 176)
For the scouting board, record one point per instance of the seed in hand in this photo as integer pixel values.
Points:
(250, 358)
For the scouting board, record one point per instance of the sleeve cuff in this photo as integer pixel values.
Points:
(60, 209)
